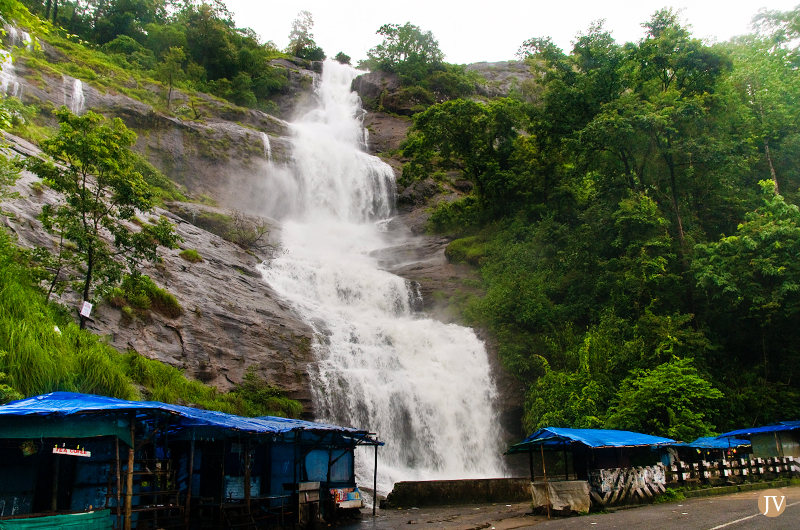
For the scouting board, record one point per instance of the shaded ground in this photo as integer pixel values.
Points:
(466, 517)
(729, 512)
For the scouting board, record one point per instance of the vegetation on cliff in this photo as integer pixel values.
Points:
(105, 186)
(636, 274)
(43, 350)
(190, 45)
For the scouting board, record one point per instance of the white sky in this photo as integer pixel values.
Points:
(493, 30)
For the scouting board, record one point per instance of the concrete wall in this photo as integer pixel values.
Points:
(443, 492)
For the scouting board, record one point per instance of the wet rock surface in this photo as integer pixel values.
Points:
(232, 319)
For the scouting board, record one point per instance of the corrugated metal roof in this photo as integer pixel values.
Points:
(713, 443)
(62, 404)
(782, 426)
(558, 437)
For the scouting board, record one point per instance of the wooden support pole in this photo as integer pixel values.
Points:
(566, 468)
(129, 481)
(119, 485)
(546, 489)
(247, 474)
(375, 482)
(54, 500)
(190, 481)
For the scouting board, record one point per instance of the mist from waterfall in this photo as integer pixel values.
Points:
(423, 386)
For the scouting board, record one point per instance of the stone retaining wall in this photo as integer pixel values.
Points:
(443, 492)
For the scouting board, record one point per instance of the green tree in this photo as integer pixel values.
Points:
(170, 70)
(757, 268)
(343, 58)
(301, 39)
(210, 41)
(475, 138)
(751, 281)
(767, 84)
(101, 191)
(671, 400)
(404, 43)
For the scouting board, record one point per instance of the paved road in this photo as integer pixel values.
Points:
(730, 512)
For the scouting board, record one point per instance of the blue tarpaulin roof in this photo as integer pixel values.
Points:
(63, 404)
(562, 438)
(713, 443)
(782, 426)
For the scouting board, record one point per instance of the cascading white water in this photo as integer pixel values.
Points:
(9, 82)
(424, 387)
(267, 147)
(78, 99)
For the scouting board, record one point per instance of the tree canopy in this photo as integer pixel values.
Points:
(636, 273)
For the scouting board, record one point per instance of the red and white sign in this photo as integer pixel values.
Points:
(86, 309)
(71, 452)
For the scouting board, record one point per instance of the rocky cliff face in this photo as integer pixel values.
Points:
(231, 321)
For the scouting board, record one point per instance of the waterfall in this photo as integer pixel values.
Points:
(267, 147)
(423, 386)
(78, 100)
(9, 82)
(19, 38)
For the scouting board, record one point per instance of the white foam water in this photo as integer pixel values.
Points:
(423, 386)
(78, 99)
(9, 82)
(267, 147)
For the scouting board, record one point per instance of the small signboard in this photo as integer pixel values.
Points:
(86, 309)
(71, 452)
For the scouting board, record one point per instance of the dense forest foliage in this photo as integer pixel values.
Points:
(635, 225)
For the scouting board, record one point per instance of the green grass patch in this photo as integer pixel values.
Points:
(191, 255)
(141, 295)
(670, 495)
(466, 250)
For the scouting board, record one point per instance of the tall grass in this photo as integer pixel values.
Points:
(40, 358)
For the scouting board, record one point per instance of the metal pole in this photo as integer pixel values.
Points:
(375, 482)
(247, 474)
(190, 481)
(119, 486)
(129, 489)
(54, 500)
(546, 488)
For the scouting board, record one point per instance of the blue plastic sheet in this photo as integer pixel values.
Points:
(562, 438)
(714, 443)
(63, 404)
(782, 426)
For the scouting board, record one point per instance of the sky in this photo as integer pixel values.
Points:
(492, 30)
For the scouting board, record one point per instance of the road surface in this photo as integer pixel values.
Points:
(738, 511)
